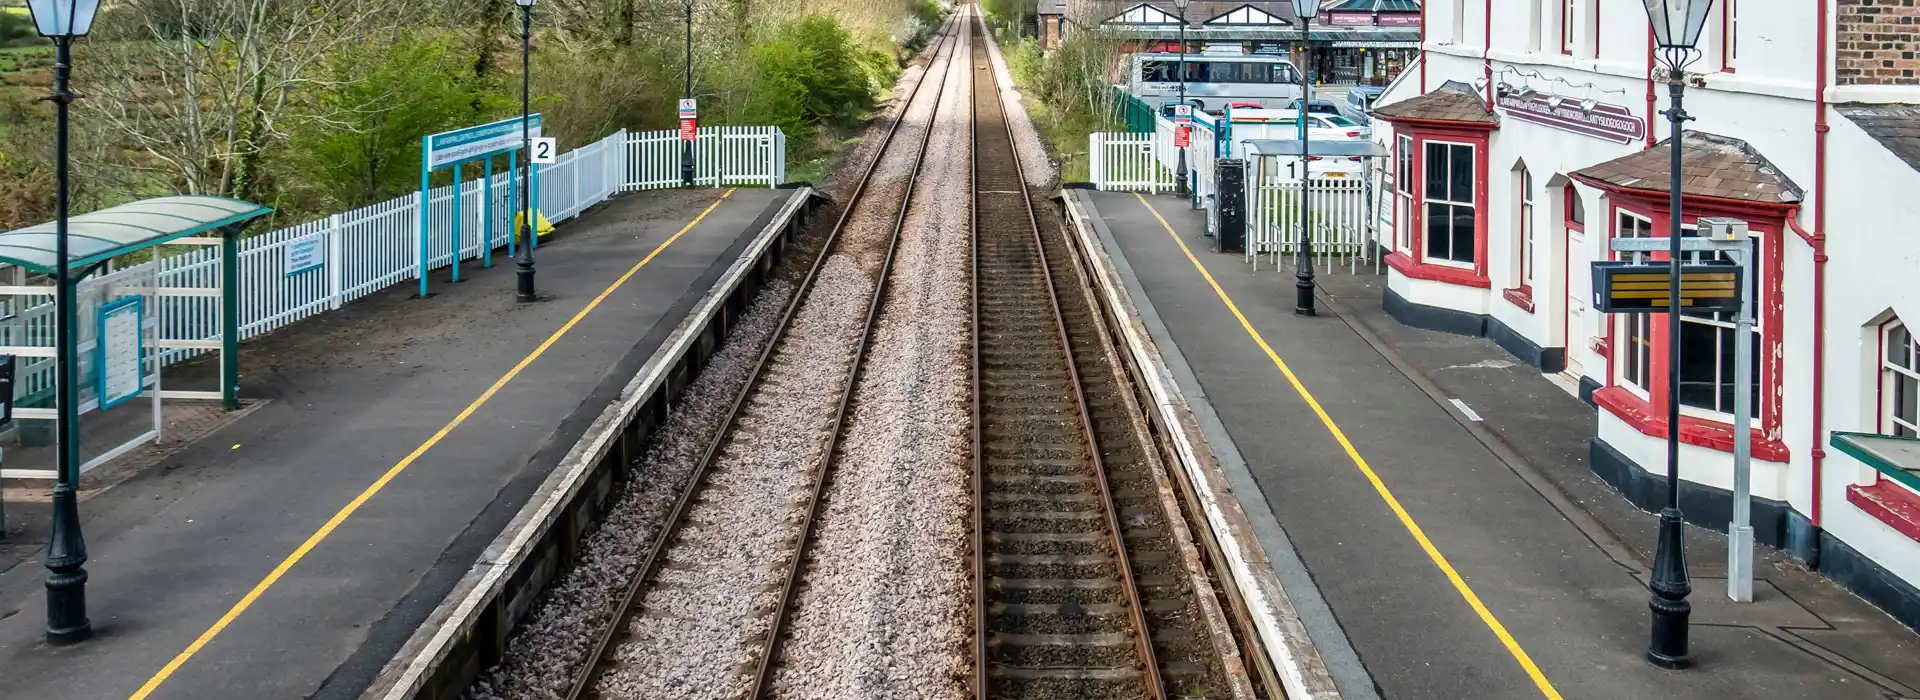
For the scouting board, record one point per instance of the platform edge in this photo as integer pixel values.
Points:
(1284, 638)
(441, 656)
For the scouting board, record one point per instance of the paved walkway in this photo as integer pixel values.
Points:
(448, 411)
(1451, 558)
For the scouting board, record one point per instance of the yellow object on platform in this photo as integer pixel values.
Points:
(520, 218)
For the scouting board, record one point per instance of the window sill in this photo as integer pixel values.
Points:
(1405, 265)
(1519, 296)
(1699, 432)
(1889, 503)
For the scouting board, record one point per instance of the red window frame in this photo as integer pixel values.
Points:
(1648, 415)
(1729, 35)
(1888, 501)
(1412, 263)
(1566, 27)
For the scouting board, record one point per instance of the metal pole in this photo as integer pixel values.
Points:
(524, 273)
(1740, 533)
(1668, 648)
(1180, 171)
(686, 147)
(1303, 260)
(67, 621)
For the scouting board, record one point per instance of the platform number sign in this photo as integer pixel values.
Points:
(545, 151)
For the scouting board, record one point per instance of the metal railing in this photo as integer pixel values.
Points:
(373, 247)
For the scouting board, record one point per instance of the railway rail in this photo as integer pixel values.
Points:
(589, 682)
(1079, 590)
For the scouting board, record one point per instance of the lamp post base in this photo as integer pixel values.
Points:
(1303, 296)
(524, 275)
(66, 581)
(1670, 586)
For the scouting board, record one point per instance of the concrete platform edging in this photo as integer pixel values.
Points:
(470, 627)
(1263, 601)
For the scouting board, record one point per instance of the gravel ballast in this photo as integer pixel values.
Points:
(556, 637)
(883, 606)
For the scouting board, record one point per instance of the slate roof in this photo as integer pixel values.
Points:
(1895, 126)
(1711, 165)
(1452, 102)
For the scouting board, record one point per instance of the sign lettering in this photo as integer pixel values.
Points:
(118, 352)
(447, 148)
(1607, 122)
(304, 254)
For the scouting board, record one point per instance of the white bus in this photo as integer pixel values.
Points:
(1214, 80)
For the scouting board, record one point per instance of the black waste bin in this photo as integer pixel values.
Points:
(1230, 202)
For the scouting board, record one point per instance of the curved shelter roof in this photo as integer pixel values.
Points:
(97, 236)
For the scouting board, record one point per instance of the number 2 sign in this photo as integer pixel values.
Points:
(544, 150)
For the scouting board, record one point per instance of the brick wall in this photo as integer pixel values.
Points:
(1876, 41)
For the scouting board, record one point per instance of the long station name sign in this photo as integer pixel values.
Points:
(1622, 287)
(1604, 121)
(447, 148)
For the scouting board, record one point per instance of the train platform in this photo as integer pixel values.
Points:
(1442, 549)
(294, 549)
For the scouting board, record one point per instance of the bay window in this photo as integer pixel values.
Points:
(1636, 354)
(1403, 195)
(1707, 345)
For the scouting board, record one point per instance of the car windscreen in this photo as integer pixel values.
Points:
(1337, 121)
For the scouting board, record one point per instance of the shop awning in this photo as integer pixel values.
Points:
(97, 236)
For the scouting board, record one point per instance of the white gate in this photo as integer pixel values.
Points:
(1126, 162)
(722, 155)
(1341, 217)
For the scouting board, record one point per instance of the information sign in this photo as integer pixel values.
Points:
(473, 142)
(117, 352)
(1182, 135)
(305, 254)
(687, 130)
(1623, 287)
(689, 108)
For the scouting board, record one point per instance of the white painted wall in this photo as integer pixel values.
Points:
(1768, 102)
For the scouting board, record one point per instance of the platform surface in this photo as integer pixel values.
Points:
(1544, 599)
(345, 397)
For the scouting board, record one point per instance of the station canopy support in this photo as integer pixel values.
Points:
(454, 149)
(128, 320)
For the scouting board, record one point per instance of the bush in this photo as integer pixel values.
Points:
(809, 73)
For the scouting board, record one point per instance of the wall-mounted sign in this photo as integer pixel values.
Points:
(118, 352)
(1623, 287)
(304, 254)
(1367, 19)
(1604, 121)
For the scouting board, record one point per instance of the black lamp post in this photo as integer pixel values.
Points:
(1306, 10)
(1676, 30)
(524, 267)
(63, 21)
(686, 147)
(1180, 171)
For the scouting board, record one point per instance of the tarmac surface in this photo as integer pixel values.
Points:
(453, 407)
(1437, 556)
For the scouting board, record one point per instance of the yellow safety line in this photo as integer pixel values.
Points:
(321, 534)
(1419, 535)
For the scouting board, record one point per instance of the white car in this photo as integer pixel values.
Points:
(1283, 124)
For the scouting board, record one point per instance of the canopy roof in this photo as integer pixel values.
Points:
(1330, 149)
(97, 236)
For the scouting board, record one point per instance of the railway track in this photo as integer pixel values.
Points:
(1079, 590)
(782, 372)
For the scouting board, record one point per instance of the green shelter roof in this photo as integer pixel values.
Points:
(96, 236)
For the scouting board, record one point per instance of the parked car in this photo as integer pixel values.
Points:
(1359, 104)
(1317, 106)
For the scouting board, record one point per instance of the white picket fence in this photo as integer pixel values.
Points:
(724, 155)
(377, 246)
(1343, 210)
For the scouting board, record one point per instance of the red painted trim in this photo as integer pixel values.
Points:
(1889, 503)
(1519, 296)
(1699, 432)
(1431, 272)
(1438, 124)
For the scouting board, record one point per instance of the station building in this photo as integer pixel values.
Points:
(1529, 132)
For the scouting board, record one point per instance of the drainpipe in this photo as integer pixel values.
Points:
(1817, 238)
(1423, 48)
(1650, 97)
(1486, 54)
